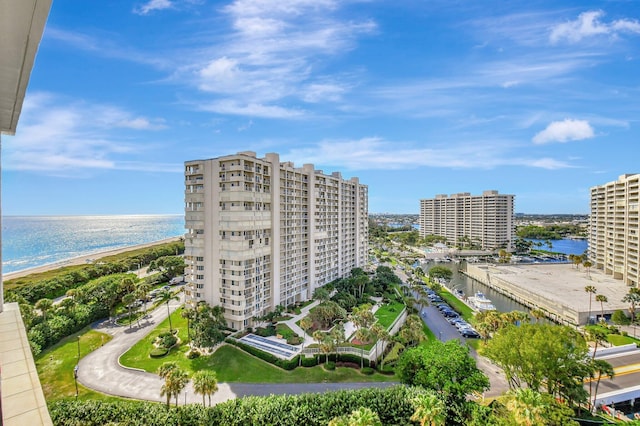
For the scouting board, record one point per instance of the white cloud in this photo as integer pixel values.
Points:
(565, 131)
(251, 109)
(273, 55)
(589, 24)
(152, 5)
(374, 153)
(61, 135)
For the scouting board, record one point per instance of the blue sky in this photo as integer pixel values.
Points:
(540, 99)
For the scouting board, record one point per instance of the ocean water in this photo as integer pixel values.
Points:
(32, 241)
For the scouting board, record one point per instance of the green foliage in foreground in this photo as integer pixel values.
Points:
(393, 405)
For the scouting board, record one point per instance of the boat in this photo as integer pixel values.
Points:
(481, 303)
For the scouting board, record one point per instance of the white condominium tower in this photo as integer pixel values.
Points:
(262, 233)
(485, 220)
(614, 228)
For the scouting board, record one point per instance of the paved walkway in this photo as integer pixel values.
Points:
(308, 340)
(101, 371)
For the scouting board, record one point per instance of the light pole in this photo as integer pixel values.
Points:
(78, 349)
(75, 378)
(185, 397)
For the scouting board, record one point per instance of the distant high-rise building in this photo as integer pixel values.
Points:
(483, 220)
(263, 233)
(614, 228)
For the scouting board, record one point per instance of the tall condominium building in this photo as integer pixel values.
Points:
(614, 228)
(485, 220)
(262, 233)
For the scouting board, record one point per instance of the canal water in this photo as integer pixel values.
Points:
(469, 286)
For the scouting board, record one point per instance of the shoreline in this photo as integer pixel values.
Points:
(84, 259)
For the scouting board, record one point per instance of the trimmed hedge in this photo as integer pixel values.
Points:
(309, 362)
(158, 352)
(392, 404)
(367, 371)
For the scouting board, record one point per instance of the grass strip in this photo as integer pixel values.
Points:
(55, 366)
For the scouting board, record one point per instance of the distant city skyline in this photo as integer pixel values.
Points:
(538, 99)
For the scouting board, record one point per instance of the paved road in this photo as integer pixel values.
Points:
(101, 371)
(445, 332)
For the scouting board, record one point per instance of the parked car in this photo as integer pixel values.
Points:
(470, 333)
(450, 314)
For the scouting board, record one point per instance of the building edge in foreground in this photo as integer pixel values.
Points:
(262, 233)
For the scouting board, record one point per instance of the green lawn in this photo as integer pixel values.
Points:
(388, 313)
(138, 355)
(285, 331)
(55, 366)
(619, 340)
(465, 311)
(234, 365)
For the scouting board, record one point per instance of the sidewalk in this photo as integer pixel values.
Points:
(291, 323)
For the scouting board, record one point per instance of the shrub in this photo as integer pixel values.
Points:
(168, 341)
(388, 370)
(393, 405)
(309, 362)
(294, 340)
(193, 354)
(158, 352)
(266, 332)
(367, 371)
(330, 366)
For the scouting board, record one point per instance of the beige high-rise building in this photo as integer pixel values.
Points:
(262, 233)
(485, 220)
(614, 228)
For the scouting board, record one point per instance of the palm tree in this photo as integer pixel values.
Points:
(591, 290)
(305, 324)
(377, 331)
(178, 380)
(327, 346)
(128, 300)
(318, 336)
(364, 416)
(67, 305)
(44, 306)
(633, 298)
(142, 293)
(429, 409)
(587, 265)
(205, 382)
(166, 296)
(337, 335)
(527, 406)
(602, 368)
(164, 371)
(127, 285)
(602, 299)
(362, 335)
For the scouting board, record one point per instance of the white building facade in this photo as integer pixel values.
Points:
(614, 228)
(486, 220)
(262, 233)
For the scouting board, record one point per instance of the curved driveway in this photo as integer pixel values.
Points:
(101, 371)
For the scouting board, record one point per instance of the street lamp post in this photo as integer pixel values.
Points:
(78, 348)
(75, 378)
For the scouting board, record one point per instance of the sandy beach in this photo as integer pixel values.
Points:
(81, 260)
